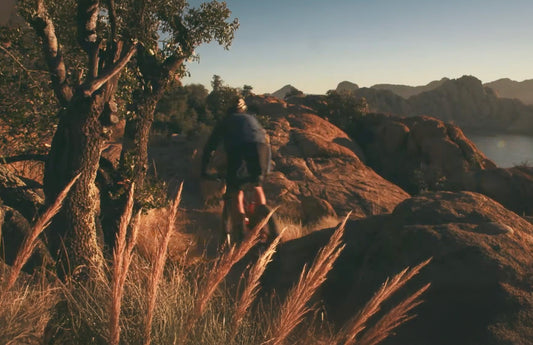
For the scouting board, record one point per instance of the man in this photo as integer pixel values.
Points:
(248, 160)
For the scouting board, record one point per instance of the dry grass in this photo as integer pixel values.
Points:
(28, 245)
(296, 229)
(295, 306)
(25, 312)
(252, 286)
(222, 268)
(150, 301)
(148, 243)
(395, 317)
(122, 256)
(159, 265)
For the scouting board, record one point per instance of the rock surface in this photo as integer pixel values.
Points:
(417, 153)
(309, 155)
(481, 271)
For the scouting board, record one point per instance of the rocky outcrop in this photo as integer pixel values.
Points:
(315, 163)
(481, 292)
(417, 153)
(423, 153)
(512, 187)
(466, 102)
(346, 86)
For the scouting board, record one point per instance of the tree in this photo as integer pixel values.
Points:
(247, 90)
(344, 108)
(27, 105)
(84, 83)
(86, 55)
(181, 109)
(169, 31)
(220, 98)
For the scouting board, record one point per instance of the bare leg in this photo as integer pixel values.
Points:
(260, 197)
(239, 202)
(237, 210)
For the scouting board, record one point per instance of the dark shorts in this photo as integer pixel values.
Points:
(247, 164)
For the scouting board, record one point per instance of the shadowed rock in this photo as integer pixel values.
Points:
(481, 272)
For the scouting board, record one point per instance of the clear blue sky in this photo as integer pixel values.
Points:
(315, 44)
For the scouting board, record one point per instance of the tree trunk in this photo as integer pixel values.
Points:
(137, 133)
(76, 148)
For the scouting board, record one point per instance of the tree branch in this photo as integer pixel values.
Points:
(96, 84)
(44, 27)
(23, 157)
(21, 65)
(87, 38)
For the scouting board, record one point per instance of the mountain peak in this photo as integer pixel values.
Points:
(287, 90)
(348, 86)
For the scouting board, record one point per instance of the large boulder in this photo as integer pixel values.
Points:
(512, 187)
(417, 153)
(481, 272)
(313, 159)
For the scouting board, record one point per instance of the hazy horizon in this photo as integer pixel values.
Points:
(314, 45)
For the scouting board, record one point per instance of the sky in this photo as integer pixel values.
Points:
(314, 45)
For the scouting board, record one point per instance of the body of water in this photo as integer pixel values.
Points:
(505, 150)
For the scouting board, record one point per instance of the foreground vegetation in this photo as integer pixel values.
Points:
(136, 300)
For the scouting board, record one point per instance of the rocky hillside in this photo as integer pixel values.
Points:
(481, 270)
(464, 101)
(406, 91)
(309, 155)
(504, 88)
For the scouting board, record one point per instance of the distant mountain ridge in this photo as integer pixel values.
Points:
(507, 88)
(504, 88)
(406, 91)
(464, 101)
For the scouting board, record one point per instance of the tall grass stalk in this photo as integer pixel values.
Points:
(221, 268)
(159, 265)
(122, 255)
(252, 287)
(295, 306)
(357, 324)
(28, 245)
(394, 318)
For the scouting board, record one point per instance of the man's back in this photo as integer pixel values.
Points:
(241, 128)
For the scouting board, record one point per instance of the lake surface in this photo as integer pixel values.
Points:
(505, 150)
